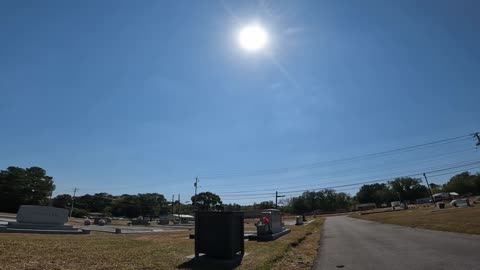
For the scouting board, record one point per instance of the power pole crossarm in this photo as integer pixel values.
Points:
(477, 136)
(276, 198)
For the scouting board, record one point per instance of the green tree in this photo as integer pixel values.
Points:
(299, 205)
(477, 183)
(20, 186)
(126, 205)
(436, 188)
(152, 204)
(232, 207)
(207, 201)
(62, 201)
(265, 205)
(409, 188)
(144, 204)
(324, 200)
(342, 201)
(463, 183)
(376, 193)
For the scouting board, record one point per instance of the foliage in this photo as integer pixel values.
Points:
(403, 188)
(464, 183)
(62, 201)
(232, 207)
(376, 193)
(147, 204)
(94, 203)
(409, 188)
(436, 188)
(325, 200)
(20, 186)
(207, 201)
(264, 205)
(79, 213)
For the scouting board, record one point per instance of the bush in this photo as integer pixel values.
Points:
(79, 213)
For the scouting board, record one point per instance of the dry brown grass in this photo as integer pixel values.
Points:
(125, 252)
(95, 251)
(463, 220)
(302, 255)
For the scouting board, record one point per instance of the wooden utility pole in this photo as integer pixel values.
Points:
(195, 202)
(429, 188)
(276, 198)
(178, 209)
(173, 208)
(476, 135)
(73, 201)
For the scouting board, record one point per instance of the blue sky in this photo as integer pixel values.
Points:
(142, 96)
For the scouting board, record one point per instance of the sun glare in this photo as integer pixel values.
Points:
(253, 38)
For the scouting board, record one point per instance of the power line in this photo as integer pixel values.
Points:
(322, 164)
(396, 173)
(368, 182)
(336, 173)
(337, 161)
(342, 187)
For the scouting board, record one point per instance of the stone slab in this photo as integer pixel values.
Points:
(42, 215)
(246, 235)
(268, 237)
(206, 257)
(75, 231)
(18, 225)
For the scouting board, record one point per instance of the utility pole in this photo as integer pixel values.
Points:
(429, 188)
(477, 136)
(276, 198)
(178, 209)
(195, 202)
(73, 200)
(173, 207)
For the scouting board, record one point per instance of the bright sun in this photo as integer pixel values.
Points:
(253, 38)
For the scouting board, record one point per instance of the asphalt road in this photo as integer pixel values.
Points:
(349, 243)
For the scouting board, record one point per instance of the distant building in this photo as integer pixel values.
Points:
(445, 196)
(364, 206)
(424, 200)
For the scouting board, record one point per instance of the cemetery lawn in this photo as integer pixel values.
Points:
(147, 251)
(302, 254)
(462, 220)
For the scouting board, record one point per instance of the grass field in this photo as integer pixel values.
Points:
(463, 220)
(148, 251)
(301, 256)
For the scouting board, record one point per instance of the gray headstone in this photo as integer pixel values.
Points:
(41, 219)
(42, 215)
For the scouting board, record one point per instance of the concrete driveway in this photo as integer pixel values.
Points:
(349, 243)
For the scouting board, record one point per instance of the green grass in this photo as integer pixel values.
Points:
(462, 220)
(122, 252)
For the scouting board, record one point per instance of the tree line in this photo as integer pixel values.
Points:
(32, 186)
(410, 189)
(19, 186)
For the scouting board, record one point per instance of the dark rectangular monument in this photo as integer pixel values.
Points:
(219, 234)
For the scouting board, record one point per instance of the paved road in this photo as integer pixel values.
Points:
(349, 243)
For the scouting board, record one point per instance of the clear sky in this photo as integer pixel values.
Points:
(142, 96)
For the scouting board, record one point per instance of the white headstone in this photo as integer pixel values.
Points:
(42, 215)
